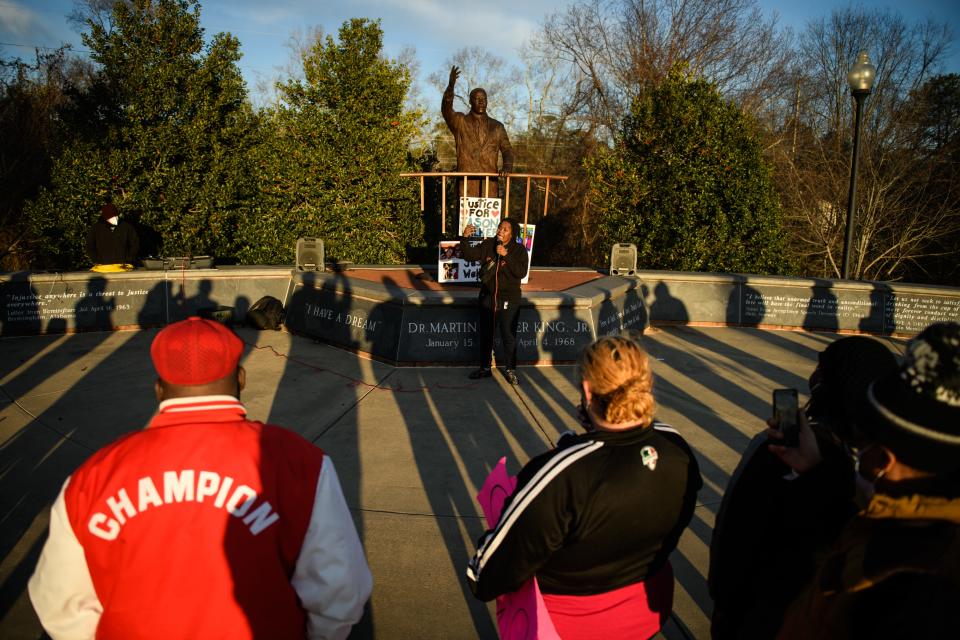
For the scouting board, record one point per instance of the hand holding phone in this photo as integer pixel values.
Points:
(785, 409)
(804, 456)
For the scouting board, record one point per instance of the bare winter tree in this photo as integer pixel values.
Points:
(617, 48)
(603, 53)
(298, 45)
(901, 213)
(98, 12)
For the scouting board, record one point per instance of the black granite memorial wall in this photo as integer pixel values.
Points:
(878, 308)
(407, 326)
(54, 303)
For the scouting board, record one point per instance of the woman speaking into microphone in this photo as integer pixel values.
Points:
(503, 263)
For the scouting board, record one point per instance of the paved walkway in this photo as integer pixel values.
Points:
(412, 447)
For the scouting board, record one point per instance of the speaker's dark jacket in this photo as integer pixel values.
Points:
(108, 244)
(500, 275)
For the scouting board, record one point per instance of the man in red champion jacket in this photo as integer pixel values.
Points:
(204, 524)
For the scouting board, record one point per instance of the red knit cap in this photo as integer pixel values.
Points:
(108, 211)
(195, 351)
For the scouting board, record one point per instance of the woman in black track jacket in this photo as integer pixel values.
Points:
(596, 518)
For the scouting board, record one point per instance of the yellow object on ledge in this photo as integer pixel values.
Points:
(111, 268)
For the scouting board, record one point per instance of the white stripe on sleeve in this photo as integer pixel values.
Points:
(522, 500)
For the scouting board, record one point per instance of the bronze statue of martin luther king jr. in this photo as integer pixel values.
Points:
(478, 137)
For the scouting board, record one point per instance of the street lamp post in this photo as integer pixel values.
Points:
(860, 78)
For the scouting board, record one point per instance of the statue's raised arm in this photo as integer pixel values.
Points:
(446, 107)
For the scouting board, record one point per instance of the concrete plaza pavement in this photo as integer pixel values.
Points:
(411, 445)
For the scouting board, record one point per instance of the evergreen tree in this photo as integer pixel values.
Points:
(332, 154)
(164, 132)
(32, 98)
(686, 182)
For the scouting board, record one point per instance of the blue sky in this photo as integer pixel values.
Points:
(436, 28)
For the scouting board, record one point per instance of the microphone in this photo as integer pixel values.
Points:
(499, 242)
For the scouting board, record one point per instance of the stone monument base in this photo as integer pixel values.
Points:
(402, 316)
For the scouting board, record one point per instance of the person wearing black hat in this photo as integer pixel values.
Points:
(894, 570)
(112, 241)
(772, 522)
(503, 264)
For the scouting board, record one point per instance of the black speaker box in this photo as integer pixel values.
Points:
(310, 254)
(181, 262)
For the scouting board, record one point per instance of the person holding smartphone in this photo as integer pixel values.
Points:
(893, 571)
(503, 263)
(783, 505)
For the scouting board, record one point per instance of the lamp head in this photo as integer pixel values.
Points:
(862, 75)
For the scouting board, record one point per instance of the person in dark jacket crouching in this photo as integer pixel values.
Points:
(894, 570)
(596, 519)
(112, 241)
(503, 263)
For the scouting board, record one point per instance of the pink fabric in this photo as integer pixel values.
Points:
(636, 611)
(521, 615)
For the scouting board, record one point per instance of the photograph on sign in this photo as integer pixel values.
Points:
(483, 213)
(451, 267)
(527, 231)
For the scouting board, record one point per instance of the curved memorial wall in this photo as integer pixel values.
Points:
(34, 303)
(410, 326)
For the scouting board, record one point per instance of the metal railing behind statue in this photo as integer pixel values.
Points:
(443, 175)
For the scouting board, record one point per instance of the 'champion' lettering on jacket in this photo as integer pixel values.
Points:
(206, 487)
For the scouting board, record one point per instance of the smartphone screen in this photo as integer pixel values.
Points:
(785, 407)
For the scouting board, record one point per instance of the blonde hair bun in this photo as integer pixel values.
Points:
(621, 382)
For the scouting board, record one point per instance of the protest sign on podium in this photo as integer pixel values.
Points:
(483, 213)
(527, 232)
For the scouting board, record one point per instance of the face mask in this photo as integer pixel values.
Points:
(864, 489)
(113, 221)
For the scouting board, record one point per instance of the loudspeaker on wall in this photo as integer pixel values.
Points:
(623, 259)
(309, 254)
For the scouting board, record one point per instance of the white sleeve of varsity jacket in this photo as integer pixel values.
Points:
(331, 577)
(61, 588)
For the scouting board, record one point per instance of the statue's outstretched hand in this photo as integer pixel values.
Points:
(454, 74)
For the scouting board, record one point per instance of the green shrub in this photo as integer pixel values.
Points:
(687, 183)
